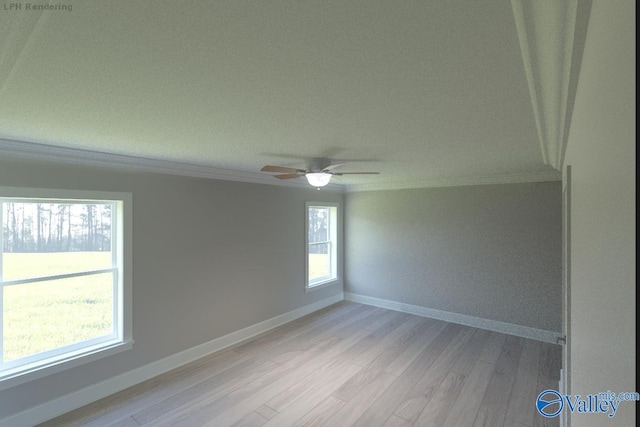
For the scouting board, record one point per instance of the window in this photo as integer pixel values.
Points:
(322, 244)
(64, 291)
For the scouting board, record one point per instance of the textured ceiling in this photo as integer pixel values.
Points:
(422, 91)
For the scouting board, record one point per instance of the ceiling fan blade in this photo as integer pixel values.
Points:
(281, 169)
(328, 168)
(288, 176)
(356, 173)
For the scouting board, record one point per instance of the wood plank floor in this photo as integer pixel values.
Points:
(347, 365)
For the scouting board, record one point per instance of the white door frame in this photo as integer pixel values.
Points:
(565, 377)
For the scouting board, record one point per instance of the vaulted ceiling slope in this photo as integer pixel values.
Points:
(427, 93)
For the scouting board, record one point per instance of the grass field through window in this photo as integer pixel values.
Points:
(319, 266)
(46, 315)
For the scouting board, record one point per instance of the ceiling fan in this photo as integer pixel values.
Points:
(318, 172)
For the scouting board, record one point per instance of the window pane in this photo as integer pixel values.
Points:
(44, 239)
(318, 224)
(46, 315)
(319, 261)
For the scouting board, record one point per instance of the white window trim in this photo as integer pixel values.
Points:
(337, 237)
(123, 339)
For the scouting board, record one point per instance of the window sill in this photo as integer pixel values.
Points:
(321, 285)
(24, 374)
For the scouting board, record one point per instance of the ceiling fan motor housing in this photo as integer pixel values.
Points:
(318, 164)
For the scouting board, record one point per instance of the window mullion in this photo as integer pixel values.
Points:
(57, 277)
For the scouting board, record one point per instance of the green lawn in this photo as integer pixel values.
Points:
(45, 315)
(318, 265)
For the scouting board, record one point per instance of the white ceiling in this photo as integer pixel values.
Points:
(425, 92)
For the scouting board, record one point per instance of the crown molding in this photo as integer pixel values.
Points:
(520, 178)
(22, 150)
(50, 153)
(552, 35)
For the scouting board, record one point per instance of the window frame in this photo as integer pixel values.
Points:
(36, 366)
(335, 240)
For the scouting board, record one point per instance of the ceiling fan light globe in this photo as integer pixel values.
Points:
(318, 179)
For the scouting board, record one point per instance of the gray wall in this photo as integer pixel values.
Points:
(489, 251)
(602, 155)
(210, 258)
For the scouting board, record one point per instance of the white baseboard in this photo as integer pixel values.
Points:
(69, 402)
(462, 319)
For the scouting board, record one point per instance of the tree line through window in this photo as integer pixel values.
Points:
(318, 230)
(56, 227)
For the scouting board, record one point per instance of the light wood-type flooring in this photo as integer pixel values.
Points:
(346, 365)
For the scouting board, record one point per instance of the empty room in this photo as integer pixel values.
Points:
(337, 213)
